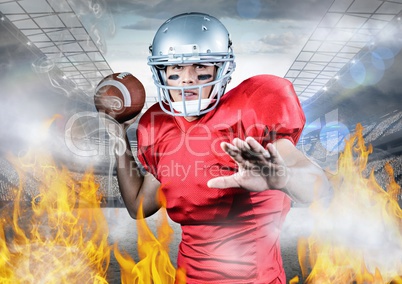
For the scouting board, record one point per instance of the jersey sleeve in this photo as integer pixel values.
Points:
(147, 138)
(274, 104)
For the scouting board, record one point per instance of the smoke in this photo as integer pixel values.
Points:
(362, 235)
(362, 224)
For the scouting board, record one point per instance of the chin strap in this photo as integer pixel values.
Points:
(189, 108)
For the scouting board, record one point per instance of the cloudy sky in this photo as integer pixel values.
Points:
(267, 35)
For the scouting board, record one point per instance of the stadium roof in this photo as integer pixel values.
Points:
(57, 31)
(347, 27)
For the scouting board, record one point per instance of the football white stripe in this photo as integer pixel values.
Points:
(123, 89)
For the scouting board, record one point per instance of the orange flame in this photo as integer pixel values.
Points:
(358, 237)
(154, 266)
(66, 238)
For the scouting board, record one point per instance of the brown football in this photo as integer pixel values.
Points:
(120, 95)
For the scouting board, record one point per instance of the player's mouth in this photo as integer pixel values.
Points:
(190, 95)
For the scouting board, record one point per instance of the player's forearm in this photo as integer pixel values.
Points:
(308, 183)
(130, 180)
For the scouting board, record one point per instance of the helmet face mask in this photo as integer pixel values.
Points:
(192, 38)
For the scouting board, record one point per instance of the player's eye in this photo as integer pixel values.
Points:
(200, 67)
(177, 67)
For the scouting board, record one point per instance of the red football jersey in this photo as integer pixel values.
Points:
(228, 235)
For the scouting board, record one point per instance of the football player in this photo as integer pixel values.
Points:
(225, 162)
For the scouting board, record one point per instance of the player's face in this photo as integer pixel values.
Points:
(188, 75)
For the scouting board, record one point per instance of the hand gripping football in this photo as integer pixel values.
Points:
(120, 95)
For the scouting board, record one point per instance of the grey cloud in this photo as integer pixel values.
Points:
(281, 42)
(242, 9)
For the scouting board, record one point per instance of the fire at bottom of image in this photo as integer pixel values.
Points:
(65, 239)
(357, 237)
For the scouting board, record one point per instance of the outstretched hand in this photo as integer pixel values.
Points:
(259, 169)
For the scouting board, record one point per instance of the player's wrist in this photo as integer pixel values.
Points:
(285, 179)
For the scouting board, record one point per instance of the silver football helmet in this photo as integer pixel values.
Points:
(191, 38)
